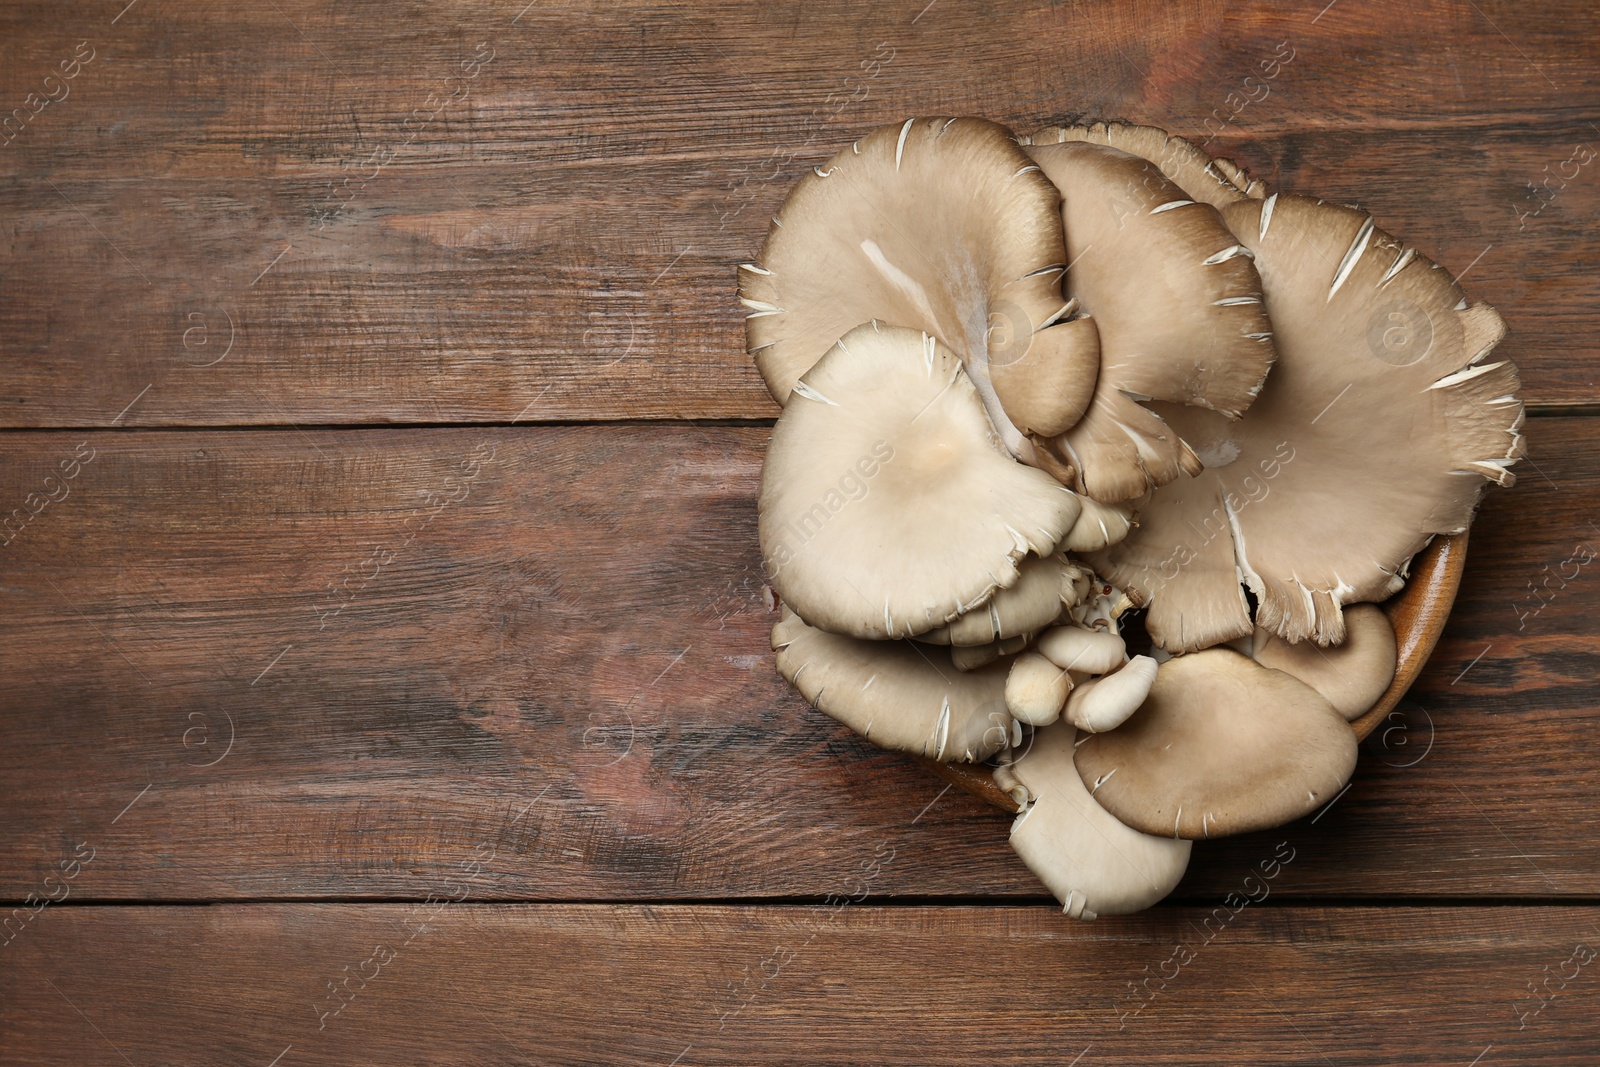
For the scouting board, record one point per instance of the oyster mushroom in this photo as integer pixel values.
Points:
(942, 224)
(1351, 676)
(1099, 524)
(895, 694)
(1036, 689)
(1376, 430)
(1043, 588)
(971, 657)
(1177, 302)
(1209, 181)
(1221, 745)
(1094, 864)
(1073, 648)
(887, 507)
(1105, 703)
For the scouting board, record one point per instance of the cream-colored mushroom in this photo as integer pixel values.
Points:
(1350, 676)
(1094, 864)
(1221, 745)
(896, 694)
(1210, 181)
(1099, 525)
(1177, 302)
(887, 507)
(1074, 648)
(971, 657)
(1036, 689)
(1375, 431)
(942, 224)
(1105, 703)
(1043, 588)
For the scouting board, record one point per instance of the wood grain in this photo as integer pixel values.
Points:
(415, 634)
(558, 242)
(658, 985)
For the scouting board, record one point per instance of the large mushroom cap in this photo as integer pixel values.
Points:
(1178, 306)
(1221, 745)
(941, 224)
(1093, 864)
(1351, 676)
(896, 694)
(1375, 431)
(887, 507)
(1209, 181)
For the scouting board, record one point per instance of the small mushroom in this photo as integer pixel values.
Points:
(887, 508)
(1036, 689)
(895, 694)
(1094, 864)
(1177, 302)
(1222, 745)
(943, 224)
(1105, 703)
(1073, 648)
(1375, 431)
(1350, 676)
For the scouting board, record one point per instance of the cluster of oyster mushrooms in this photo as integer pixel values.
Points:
(1038, 388)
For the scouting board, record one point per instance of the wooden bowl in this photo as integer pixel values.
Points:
(1418, 614)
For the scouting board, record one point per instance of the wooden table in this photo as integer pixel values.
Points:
(384, 655)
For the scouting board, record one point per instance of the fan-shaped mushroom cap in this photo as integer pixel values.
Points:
(1036, 689)
(1210, 181)
(1093, 864)
(1177, 302)
(1350, 676)
(1105, 703)
(1044, 586)
(895, 694)
(1374, 432)
(1221, 745)
(887, 508)
(941, 224)
(1038, 378)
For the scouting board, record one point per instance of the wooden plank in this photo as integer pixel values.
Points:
(411, 635)
(857, 983)
(558, 241)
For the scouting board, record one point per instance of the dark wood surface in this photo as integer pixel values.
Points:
(857, 983)
(286, 671)
(559, 242)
